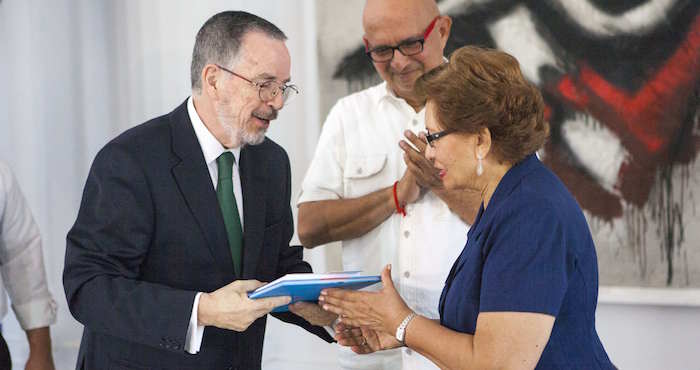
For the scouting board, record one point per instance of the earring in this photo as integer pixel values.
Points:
(479, 165)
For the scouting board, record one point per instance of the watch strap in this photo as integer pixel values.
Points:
(401, 329)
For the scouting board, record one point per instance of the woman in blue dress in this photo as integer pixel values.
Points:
(523, 292)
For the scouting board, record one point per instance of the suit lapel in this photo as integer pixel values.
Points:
(252, 170)
(192, 177)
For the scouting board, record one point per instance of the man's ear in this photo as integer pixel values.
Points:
(210, 78)
(444, 27)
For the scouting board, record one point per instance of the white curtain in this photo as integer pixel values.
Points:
(75, 73)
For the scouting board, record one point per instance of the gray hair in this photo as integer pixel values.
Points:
(219, 40)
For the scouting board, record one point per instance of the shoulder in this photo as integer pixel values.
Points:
(145, 134)
(136, 147)
(368, 96)
(541, 203)
(149, 138)
(359, 102)
(524, 209)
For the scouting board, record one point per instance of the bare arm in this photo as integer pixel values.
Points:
(325, 221)
(40, 357)
(502, 340)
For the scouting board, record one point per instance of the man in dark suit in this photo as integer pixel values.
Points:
(177, 208)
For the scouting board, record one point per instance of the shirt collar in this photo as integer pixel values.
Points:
(211, 147)
(504, 188)
(512, 178)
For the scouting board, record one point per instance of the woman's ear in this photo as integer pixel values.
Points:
(483, 142)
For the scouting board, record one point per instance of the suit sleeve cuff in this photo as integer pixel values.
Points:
(195, 332)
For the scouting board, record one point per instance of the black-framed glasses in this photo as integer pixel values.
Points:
(412, 46)
(270, 89)
(431, 138)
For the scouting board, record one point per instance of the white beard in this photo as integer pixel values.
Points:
(238, 134)
(252, 138)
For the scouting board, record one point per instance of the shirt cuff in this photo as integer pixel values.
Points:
(195, 332)
(38, 313)
(316, 195)
(330, 331)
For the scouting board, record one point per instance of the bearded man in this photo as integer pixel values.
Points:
(184, 214)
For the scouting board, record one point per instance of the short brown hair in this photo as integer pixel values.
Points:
(483, 87)
(220, 38)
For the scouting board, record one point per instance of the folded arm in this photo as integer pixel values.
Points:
(326, 221)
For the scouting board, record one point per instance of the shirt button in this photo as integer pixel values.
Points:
(406, 234)
(359, 171)
(409, 351)
(406, 274)
(415, 122)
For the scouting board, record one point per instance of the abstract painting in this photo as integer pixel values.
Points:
(621, 81)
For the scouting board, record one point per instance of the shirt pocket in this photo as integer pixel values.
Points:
(365, 174)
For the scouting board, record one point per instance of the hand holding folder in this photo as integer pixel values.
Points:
(307, 287)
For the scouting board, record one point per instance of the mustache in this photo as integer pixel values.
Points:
(407, 68)
(269, 116)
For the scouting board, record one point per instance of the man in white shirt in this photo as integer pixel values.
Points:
(385, 202)
(23, 273)
(183, 215)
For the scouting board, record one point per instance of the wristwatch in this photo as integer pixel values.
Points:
(401, 330)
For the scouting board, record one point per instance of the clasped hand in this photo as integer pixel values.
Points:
(423, 170)
(420, 175)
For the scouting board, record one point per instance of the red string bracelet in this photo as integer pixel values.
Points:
(399, 209)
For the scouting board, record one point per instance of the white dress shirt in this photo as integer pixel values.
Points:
(21, 259)
(358, 153)
(212, 149)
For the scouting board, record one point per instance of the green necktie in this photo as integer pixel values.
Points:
(229, 209)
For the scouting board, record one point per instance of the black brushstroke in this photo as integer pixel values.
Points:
(616, 7)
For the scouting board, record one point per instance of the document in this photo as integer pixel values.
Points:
(307, 287)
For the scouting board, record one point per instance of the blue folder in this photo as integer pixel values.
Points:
(301, 288)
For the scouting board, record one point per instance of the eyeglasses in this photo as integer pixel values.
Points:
(431, 138)
(269, 90)
(412, 46)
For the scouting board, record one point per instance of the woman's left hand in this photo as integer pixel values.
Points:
(364, 340)
(381, 311)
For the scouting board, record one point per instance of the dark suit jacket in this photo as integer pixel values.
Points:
(149, 236)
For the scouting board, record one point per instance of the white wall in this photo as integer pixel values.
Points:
(77, 72)
(650, 337)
